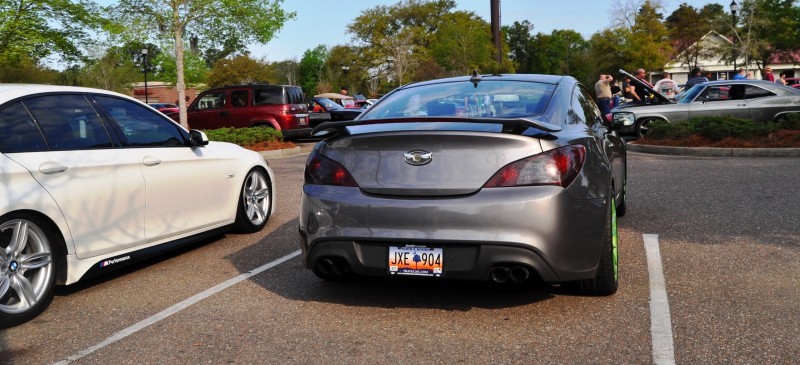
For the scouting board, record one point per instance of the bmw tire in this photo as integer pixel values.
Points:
(28, 251)
(255, 202)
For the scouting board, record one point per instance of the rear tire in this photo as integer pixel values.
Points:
(606, 280)
(255, 202)
(28, 252)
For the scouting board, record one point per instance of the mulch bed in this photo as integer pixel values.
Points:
(270, 146)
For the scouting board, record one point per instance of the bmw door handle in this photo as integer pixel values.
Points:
(151, 161)
(50, 168)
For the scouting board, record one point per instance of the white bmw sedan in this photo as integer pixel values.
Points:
(92, 180)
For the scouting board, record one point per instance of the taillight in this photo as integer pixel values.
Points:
(321, 170)
(557, 167)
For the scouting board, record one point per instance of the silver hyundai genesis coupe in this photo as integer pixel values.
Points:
(503, 178)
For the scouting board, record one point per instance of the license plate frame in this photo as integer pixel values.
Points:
(401, 260)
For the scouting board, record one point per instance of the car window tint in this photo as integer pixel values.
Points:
(577, 114)
(18, 132)
(491, 99)
(590, 109)
(752, 92)
(271, 95)
(295, 95)
(719, 93)
(239, 98)
(211, 101)
(141, 126)
(68, 122)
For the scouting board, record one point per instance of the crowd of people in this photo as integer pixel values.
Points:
(610, 95)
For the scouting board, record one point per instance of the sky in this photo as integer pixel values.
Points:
(325, 22)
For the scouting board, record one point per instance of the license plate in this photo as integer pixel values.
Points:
(416, 260)
(302, 120)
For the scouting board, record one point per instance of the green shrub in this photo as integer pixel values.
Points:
(790, 121)
(716, 128)
(660, 129)
(244, 136)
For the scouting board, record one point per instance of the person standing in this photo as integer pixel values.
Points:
(696, 78)
(641, 86)
(666, 86)
(782, 78)
(768, 74)
(602, 90)
(740, 74)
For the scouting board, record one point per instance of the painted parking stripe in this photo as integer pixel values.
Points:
(660, 321)
(177, 308)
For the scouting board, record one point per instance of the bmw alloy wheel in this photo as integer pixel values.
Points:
(26, 266)
(256, 197)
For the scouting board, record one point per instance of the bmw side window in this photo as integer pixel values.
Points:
(69, 122)
(18, 132)
(211, 101)
(141, 126)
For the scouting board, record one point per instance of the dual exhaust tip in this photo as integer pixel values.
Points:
(333, 266)
(502, 273)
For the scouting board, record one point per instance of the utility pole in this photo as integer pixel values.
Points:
(495, 7)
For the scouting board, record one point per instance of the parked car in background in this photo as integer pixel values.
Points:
(758, 100)
(506, 192)
(164, 107)
(325, 109)
(276, 106)
(93, 181)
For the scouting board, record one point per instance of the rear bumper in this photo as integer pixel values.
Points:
(543, 228)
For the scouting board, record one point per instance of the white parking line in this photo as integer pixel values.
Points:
(660, 321)
(177, 308)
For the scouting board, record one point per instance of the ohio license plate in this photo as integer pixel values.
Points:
(416, 260)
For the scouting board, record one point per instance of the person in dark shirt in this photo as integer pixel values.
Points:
(641, 91)
(696, 78)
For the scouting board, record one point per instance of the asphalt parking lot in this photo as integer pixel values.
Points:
(726, 231)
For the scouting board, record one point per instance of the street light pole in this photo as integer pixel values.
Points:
(144, 54)
(734, 8)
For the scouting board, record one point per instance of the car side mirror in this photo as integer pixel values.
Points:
(198, 138)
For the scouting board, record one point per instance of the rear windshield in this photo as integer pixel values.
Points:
(490, 99)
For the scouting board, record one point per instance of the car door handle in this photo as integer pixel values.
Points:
(52, 168)
(741, 104)
(151, 161)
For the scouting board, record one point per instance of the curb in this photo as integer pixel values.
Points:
(287, 152)
(714, 151)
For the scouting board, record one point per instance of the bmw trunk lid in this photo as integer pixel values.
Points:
(427, 163)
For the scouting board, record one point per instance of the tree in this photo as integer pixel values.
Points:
(686, 26)
(648, 41)
(520, 43)
(464, 43)
(110, 69)
(770, 32)
(216, 23)
(36, 29)
(288, 71)
(238, 70)
(311, 67)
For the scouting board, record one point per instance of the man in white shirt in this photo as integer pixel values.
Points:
(666, 86)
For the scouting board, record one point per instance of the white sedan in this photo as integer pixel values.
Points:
(93, 180)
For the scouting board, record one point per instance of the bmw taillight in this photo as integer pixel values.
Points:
(556, 167)
(321, 170)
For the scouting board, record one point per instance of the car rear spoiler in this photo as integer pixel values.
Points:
(646, 86)
(515, 125)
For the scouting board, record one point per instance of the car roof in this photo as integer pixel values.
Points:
(545, 79)
(13, 91)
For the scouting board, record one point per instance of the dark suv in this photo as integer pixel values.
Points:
(278, 106)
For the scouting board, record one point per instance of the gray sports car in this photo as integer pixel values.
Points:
(758, 100)
(496, 177)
